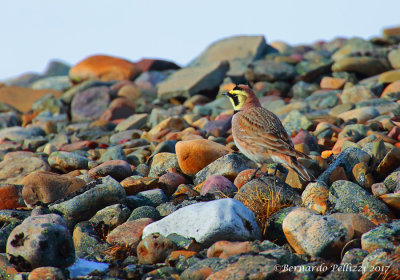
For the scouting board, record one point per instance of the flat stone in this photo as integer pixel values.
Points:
(136, 121)
(361, 114)
(118, 169)
(14, 171)
(267, 70)
(59, 83)
(208, 222)
(368, 66)
(192, 80)
(129, 233)
(67, 162)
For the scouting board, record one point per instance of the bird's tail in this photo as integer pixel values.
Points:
(302, 171)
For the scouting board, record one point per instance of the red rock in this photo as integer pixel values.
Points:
(118, 169)
(129, 233)
(218, 185)
(119, 108)
(80, 145)
(244, 176)
(355, 223)
(394, 132)
(7, 270)
(171, 182)
(225, 249)
(194, 155)
(47, 187)
(103, 68)
(155, 65)
(11, 196)
(23, 98)
(154, 248)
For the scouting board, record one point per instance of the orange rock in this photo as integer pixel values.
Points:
(244, 176)
(326, 154)
(225, 249)
(392, 31)
(11, 196)
(338, 145)
(23, 98)
(48, 273)
(194, 155)
(129, 233)
(179, 254)
(338, 174)
(154, 248)
(103, 68)
(332, 83)
(393, 87)
(134, 186)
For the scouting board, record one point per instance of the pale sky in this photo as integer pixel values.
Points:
(32, 32)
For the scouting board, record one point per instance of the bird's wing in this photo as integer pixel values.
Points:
(264, 129)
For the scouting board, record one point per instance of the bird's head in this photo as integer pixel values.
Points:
(241, 97)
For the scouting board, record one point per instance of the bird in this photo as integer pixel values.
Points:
(260, 135)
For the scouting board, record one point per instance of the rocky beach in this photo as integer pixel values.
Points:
(118, 169)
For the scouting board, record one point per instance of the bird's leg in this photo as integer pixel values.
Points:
(254, 174)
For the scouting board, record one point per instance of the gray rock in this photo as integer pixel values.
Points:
(270, 71)
(9, 119)
(66, 161)
(385, 236)
(301, 90)
(233, 48)
(90, 104)
(153, 197)
(315, 235)
(113, 153)
(145, 212)
(295, 121)
(347, 159)
(51, 104)
(24, 80)
(228, 166)
(13, 171)
(348, 197)
(208, 222)
(274, 228)
(60, 83)
(136, 121)
(106, 191)
(131, 134)
(323, 100)
(42, 240)
(192, 80)
(118, 169)
(5, 232)
(56, 68)
(19, 134)
(112, 216)
(70, 94)
(161, 162)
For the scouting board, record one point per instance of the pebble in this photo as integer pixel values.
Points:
(118, 169)
(194, 155)
(218, 185)
(207, 222)
(106, 191)
(46, 187)
(164, 132)
(154, 248)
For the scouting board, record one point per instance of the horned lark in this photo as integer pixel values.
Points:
(260, 135)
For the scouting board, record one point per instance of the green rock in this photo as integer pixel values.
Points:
(323, 100)
(384, 236)
(295, 121)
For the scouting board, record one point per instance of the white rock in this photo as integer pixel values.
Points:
(208, 222)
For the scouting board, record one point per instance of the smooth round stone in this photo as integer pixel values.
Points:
(112, 215)
(162, 162)
(154, 248)
(42, 240)
(47, 187)
(48, 273)
(118, 169)
(153, 197)
(356, 224)
(361, 114)
(11, 196)
(113, 153)
(171, 182)
(60, 83)
(394, 58)
(145, 212)
(129, 233)
(119, 108)
(90, 104)
(66, 161)
(218, 185)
